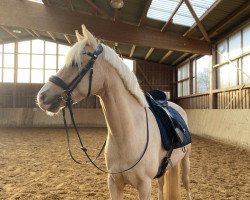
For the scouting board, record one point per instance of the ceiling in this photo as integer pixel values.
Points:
(134, 35)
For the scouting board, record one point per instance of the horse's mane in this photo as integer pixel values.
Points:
(128, 77)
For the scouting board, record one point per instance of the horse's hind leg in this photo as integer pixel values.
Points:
(160, 188)
(185, 172)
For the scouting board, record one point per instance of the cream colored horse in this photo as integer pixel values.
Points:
(123, 104)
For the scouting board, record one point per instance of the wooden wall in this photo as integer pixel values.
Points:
(230, 98)
(154, 76)
(21, 95)
(194, 101)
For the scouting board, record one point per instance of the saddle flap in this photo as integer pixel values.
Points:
(173, 129)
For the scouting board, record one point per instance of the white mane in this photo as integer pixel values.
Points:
(75, 54)
(128, 77)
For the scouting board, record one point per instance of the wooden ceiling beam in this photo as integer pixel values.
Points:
(36, 33)
(198, 22)
(149, 53)
(96, 8)
(165, 56)
(166, 25)
(51, 35)
(29, 32)
(179, 59)
(70, 5)
(144, 13)
(10, 32)
(189, 58)
(62, 21)
(190, 31)
(228, 19)
(132, 51)
(67, 38)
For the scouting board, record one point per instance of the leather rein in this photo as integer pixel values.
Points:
(67, 97)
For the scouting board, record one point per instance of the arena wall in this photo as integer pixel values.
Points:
(34, 117)
(228, 126)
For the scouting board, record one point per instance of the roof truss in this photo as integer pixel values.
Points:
(50, 19)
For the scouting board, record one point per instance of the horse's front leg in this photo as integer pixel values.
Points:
(145, 190)
(116, 187)
(160, 187)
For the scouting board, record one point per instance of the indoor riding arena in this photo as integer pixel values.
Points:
(196, 51)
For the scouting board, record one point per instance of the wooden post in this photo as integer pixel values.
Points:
(14, 94)
(213, 82)
(174, 92)
(191, 77)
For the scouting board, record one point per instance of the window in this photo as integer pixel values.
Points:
(233, 59)
(235, 45)
(23, 66)
(129, 63)
(7, 62)
(162, 9)
(246, 39)
(35, 60)
(183, 80)
(227, 75)
(246, 69)
(201, 74)
(62, 51)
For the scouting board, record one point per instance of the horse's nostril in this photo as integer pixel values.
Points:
(42, 96)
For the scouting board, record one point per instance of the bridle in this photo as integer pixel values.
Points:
(68, 88)
(66, 96)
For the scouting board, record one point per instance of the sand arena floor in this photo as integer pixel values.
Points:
(34, 164)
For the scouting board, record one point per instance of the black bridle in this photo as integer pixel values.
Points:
(68, 88)
(67, 97)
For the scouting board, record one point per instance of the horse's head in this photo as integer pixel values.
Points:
(74, 78)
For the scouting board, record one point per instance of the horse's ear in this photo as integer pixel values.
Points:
(89, 37)
(78, 36)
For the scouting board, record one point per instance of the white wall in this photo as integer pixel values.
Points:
(228, 126)
(29, 117)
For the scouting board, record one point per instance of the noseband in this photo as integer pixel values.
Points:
(67, 97)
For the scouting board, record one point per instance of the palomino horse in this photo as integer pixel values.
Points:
(124, 107)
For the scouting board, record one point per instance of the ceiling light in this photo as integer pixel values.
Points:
(17, 31)
(37, 1)
(117, 4)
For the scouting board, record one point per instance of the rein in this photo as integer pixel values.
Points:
(67, 97)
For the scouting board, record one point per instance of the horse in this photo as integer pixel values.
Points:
(126, 112)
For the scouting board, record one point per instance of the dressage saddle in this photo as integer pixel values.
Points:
(173, 129)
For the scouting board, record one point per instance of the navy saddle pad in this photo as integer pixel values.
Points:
(168, 120)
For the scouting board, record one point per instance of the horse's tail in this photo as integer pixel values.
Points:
(172, 184)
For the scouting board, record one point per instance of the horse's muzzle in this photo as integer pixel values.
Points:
(49, 103)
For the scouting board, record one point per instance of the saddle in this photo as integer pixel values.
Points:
(173, 129)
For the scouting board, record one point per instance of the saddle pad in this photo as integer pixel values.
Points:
(168, 137)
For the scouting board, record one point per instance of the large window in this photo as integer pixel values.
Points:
(183, 80)
(201, 74)
(7, 62)
(233, 59)
(34, 60)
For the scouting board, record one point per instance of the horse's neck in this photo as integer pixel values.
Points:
(123, 112)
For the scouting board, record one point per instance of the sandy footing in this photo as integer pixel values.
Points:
(34, 164)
